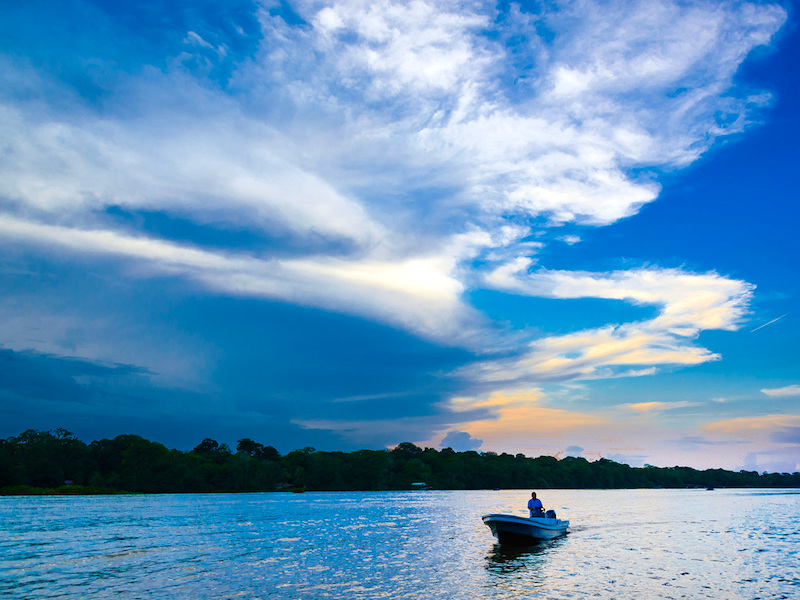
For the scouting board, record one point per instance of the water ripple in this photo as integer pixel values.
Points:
(654, 544)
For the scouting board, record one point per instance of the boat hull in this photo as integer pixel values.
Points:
(520, 531)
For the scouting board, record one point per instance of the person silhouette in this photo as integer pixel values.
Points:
(535, 506)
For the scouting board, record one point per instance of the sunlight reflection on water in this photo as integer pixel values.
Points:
(622, 544)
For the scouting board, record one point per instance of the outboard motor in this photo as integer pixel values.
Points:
(550, 514)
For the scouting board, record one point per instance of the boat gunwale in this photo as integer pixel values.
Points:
(554, 524)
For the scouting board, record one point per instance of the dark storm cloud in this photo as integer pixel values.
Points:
(272, 366)
(36, 375)
(275, 351)
(96, 401)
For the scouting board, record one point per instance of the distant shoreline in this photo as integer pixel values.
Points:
(79, 490)
(64, 490)
(57, 463)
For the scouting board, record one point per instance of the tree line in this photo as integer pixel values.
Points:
(57, 462)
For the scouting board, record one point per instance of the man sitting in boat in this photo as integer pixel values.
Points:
(535, 506)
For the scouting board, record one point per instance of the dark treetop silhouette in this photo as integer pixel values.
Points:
(56, 461)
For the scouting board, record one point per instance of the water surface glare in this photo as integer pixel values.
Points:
(637, 544)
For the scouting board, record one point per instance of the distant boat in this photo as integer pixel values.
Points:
(522, 531)
(419, 485)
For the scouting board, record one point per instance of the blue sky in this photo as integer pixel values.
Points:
(548, 228)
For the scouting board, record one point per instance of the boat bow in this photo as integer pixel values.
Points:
(511, 529)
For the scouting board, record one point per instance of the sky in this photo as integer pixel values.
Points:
(548, 228)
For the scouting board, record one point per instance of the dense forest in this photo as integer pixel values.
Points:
(57, 462)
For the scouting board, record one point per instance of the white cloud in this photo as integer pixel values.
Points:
(418, 294)
(401, 46)
(412, 95)
(607, 352)
(688, 303)
(783, 392)
(409, 134)
(235, 169)
(423, 85)
(570, 239)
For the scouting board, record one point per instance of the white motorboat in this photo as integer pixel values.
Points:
(524, 531)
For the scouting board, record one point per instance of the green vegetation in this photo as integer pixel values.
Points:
(39, 462)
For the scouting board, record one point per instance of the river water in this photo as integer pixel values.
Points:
(637, 544)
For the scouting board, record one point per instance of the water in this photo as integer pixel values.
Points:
(637, 544)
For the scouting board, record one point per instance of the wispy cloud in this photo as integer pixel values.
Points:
(238, 170)
(704, 441)
(389, 159)
(688, 302)
(385, 290)
(748, 426)
(391, 99)
(782, 392)
(657, 407)
(519, 419)
(773, 440)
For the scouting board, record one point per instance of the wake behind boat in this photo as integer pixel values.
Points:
(524, 531)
